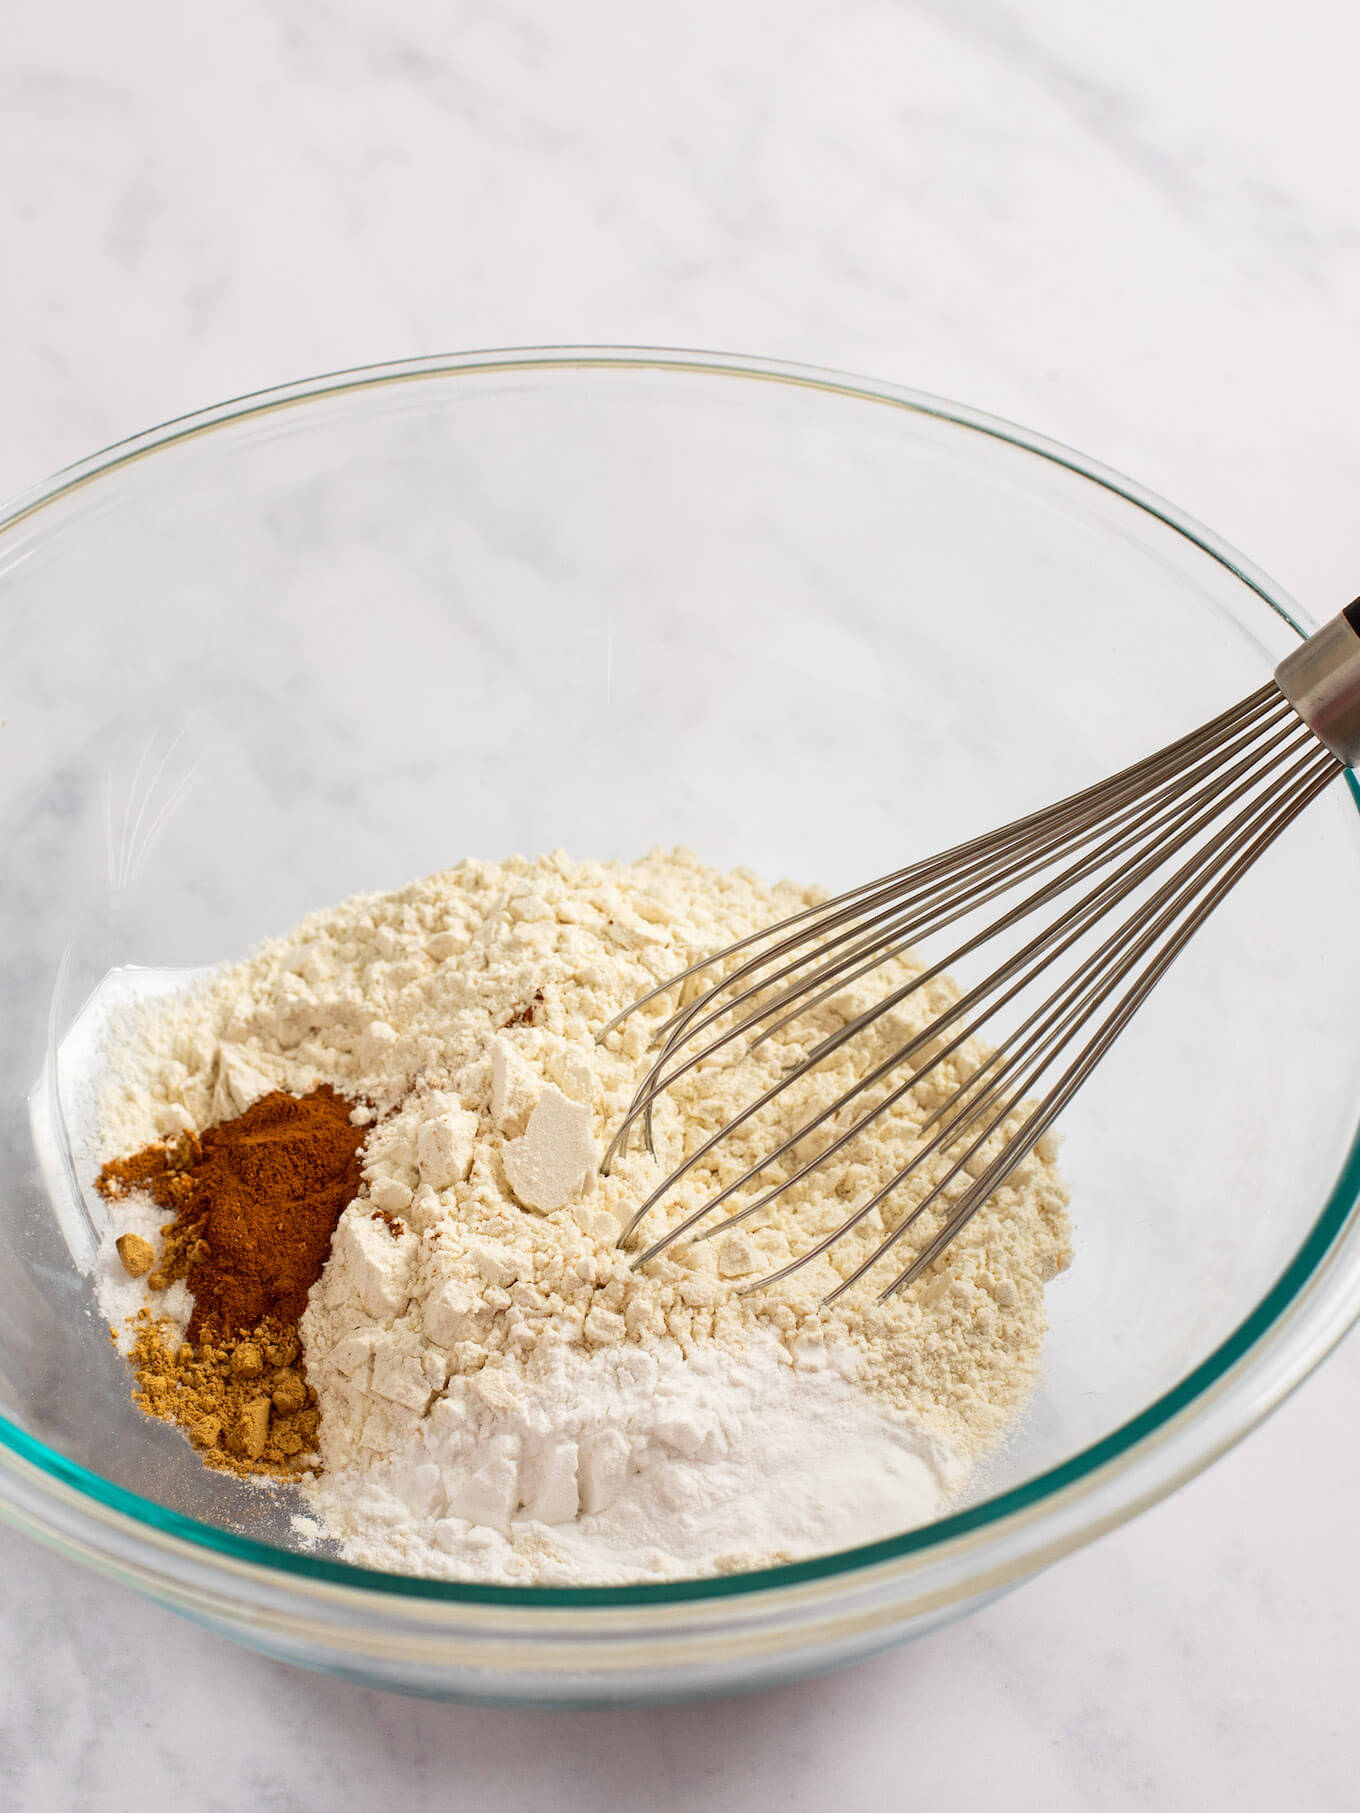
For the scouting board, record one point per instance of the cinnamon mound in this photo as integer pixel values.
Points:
(255, 1202)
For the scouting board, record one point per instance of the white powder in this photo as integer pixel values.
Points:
(119, 1296)
(634, 1463)
(465, 1010)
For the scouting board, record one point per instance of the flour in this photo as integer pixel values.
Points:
(635, 1463)
(475, 1291)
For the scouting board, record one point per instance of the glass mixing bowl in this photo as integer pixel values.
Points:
(331, 637)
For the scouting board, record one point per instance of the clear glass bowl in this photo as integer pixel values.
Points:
(332, 637)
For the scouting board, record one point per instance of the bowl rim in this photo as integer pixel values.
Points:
(1296, 1346)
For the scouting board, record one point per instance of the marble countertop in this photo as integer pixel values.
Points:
(1137, 230)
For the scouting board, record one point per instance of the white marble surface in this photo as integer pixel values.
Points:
(1135, 228)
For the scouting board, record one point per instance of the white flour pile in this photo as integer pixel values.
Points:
(503, 1397)
(629, 1463)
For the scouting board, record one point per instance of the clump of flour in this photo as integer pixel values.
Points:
(476, 1283)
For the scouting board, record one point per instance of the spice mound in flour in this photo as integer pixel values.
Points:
(502, 1395)
(255, 1200)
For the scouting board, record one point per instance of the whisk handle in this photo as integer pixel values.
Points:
(1321, 680)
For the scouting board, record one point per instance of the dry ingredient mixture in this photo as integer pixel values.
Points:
(495, 1392)
(255, 1203)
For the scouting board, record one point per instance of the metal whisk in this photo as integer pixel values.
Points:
(1111, 885)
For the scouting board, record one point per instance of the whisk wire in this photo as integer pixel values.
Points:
(1048, 1026)
(905, 928)
(829, 911)
(1043, 1118)
(1074, 921)
(1159, 844)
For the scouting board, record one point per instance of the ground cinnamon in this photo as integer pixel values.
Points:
(255, 1201)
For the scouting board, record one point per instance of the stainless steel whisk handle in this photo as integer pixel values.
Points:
(1321, 680)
